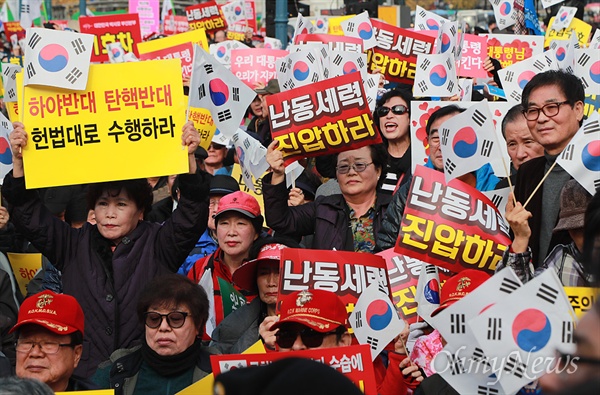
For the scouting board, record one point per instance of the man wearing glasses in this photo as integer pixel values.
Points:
(49, 337)
(553, 104)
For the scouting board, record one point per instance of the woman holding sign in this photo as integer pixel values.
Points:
(106, 265)
(348, 221)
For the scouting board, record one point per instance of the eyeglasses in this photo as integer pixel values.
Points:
(549, 110)
(357, 167)
(49, 348)
(310, 337)
(397, 109)
(175, 319)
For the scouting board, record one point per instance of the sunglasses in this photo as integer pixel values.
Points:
(397, 109)
(286, 338)
(216, 146)
(175, 319)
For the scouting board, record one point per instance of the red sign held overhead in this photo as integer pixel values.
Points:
(205, 16)
(124, 28)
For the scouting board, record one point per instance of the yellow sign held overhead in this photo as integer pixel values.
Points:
(24, 266)
(197, 36)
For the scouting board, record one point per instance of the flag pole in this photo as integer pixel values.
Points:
(540, 184)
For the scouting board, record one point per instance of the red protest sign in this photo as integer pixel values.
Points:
(403, 273)
(205, 16)
(474, 52)
(175, 24)
(184, 52)
(451, 225)
(396, 51)
(11, 28)
(332, 116)
(353, 362)
(107, 29)
(335, 43)
(254, 65)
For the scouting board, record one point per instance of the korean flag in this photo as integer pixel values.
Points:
(595, 41)
(515, 77)
(6, 163)
(360, 27)
(272, 43)
(436, 76)
(234, 12)
(587, 68)
(563, 18)
(581, 157)
(321, 24)
(57, 58)
(216, 88)
(447, 38)
(116, 53)
(371, 84)
(303, 26)
(374, 318)
(499, 197)
(30, 10)
(343, 62)
(222, 51)
(525, 328)
(564, 53)
(468, 141)
(299, 69)
(428, 291)
(427, 20)
(9, 80)
(251, 154)
(549, 3)
(320, 50)
(504, 12)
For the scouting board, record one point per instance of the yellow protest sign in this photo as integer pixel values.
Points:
(204, 123)
(205, 385)
(91, 392)
(581, 28)
(127, 124)
(581, 298)
(24, 267)
(197, 36)
(237, 174)
(13, 111)
(335, 24)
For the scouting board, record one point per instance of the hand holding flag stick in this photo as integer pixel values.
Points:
(540, 184)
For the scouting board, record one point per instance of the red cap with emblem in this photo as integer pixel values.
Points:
(458, 286)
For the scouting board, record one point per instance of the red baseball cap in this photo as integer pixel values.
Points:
(241, 202)
(458, 286)
(317, 309)
(245, 276)
(59, 313)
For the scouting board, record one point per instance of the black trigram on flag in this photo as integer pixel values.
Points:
(508, 285)
(372, 341)
(310, 57)
(444, 136)
(453, 30)
(360, 62)
(422, 85)
(382, 288)
(430, 269)
(282, 68)
(358, 316)
(315, 77)
(350, 26)
(496, 199)
(591, 127)
(478, 118)
(78, 46)
(584, 82)
(11, 93)
(450, 86)
(370, 82)
(208, 68)
(323, 52)
(30, 70)
(547, 293)
(422, 26)
(481, 390)
(494, 331)
(457, 323)
(479, 357)
(201, 91)
(510, 75)
(422, 14)
(449, 63)
(514, 367)
(290, 85)
(34, 40)
(567, 332)
(224, 115)
(486, 148)
(567, 153)
(5, 124)
(538, 64)
(25, 9)
(456, 367)
(583, 59)
(236, 94)
(597, 184)
(74, 75)
(516, 96)
(425, 64)
(337, 60)
(449, 166)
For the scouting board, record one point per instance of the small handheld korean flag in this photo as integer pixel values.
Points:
(57, 58)
(564, 53)
(587, 68)
(303, 26)
(515, 77)
(581, 157)
(427, 20)
(371, 84)
(216, 88)
(504, 12)
(292, 172)
(30, 10)
(360, 27)
(272, 43)
(116, 53)
(299, 69)
(222, 51)
(595, 41)
(6, 163)
(344, 62)
(251, 154)
(9, 80)
(436, 76)
(428, 291)
(563, 18)
(447, 38)
(374, 319)
(234, 12)
(321, 24)
(524, 329)
(468, 141)
(549, 3)
(499, 197)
